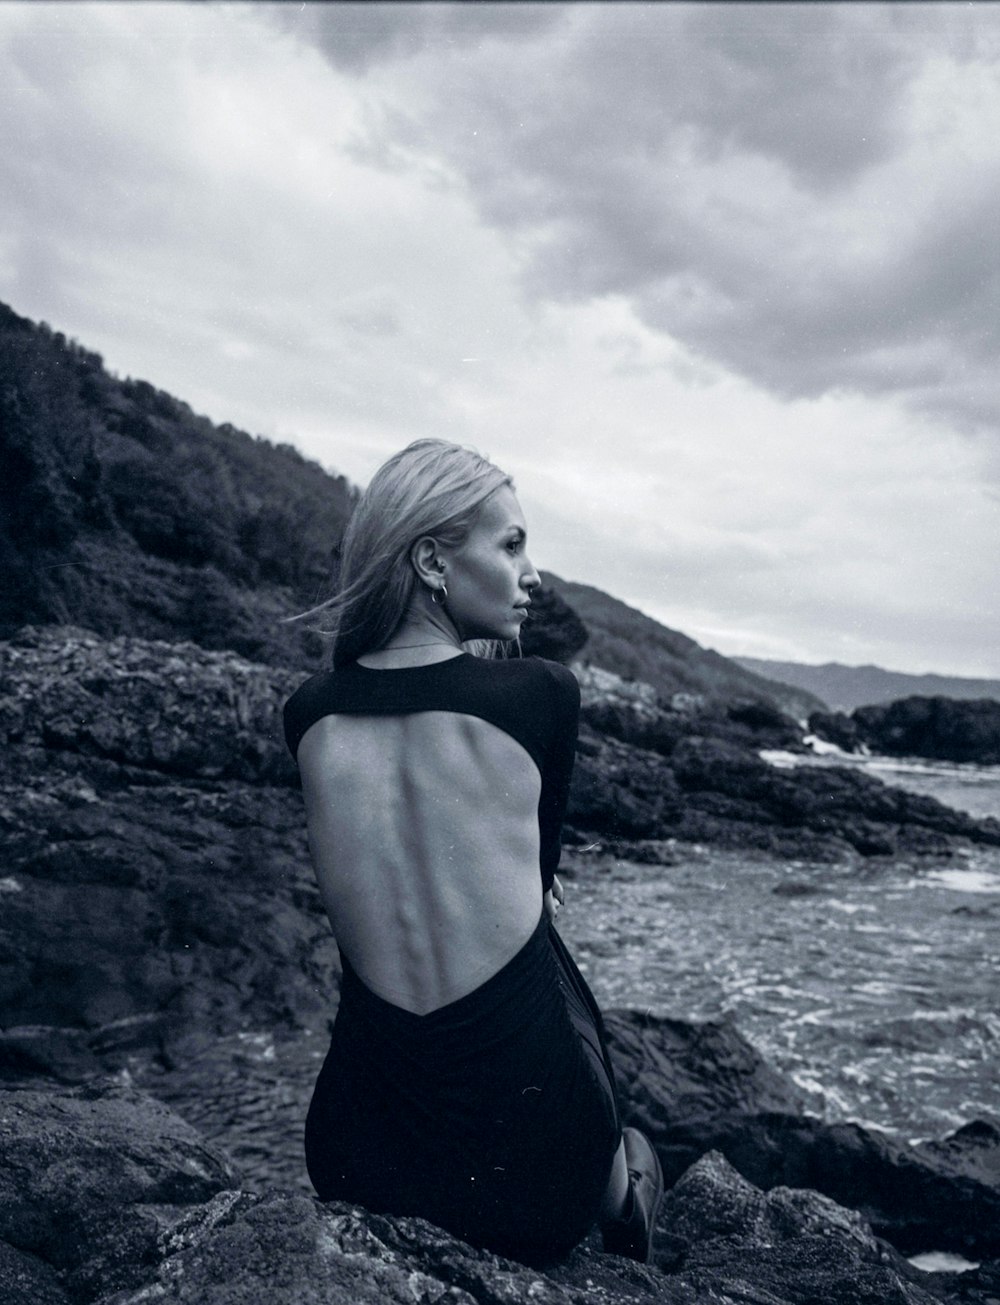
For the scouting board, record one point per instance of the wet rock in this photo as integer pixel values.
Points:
(697, 1088)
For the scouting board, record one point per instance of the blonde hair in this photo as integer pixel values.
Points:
(429, 488)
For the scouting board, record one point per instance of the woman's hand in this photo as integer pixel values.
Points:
(554, 898)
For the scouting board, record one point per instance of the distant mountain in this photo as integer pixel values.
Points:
(843, 688)
(637, 647)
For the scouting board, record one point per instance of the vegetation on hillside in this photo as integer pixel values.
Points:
(639, 648)
(123, 511)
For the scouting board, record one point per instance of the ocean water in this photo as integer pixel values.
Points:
(875, 984)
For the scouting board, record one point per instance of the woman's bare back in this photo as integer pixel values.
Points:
(425, 838)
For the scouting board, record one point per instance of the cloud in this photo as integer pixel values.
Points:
(354, 36)
(569, 239)
(803, 193)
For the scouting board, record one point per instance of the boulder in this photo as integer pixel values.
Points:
(943, 729)
(88, 1179)
(695, 1088)
(139, 915)
(796, 1245)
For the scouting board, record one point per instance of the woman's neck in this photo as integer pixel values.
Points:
(416, 643)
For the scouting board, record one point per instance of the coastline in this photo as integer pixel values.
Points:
(162, 931)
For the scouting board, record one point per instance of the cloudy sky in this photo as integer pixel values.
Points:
(718, 284)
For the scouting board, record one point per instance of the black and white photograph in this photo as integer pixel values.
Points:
(499, 652)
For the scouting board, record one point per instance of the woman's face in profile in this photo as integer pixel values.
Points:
(490, 576)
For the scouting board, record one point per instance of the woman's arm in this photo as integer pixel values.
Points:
(554, 898)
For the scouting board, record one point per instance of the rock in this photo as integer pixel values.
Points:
(630, 711)
(697, 1088)
(27, 1280)
(832, 802)
(725, 1242)
(836, 727)
(621, 792)
(553, 629)
(795, 1244)
(648, 773)
(978, 1286)
(105, 1196)
(944, 729)
(76, 1167)
(290, 1250)
(173, 709)
(153, 914)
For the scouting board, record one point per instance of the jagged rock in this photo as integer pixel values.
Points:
(175, 709)
(734, 1245)
(289, 1249)
(107, 1196)
(621, 792)
(796, 1244)
(697, 1088)
(630, 711)
(833, 801)
(978, 1286)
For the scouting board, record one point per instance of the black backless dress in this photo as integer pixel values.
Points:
(494, 1116)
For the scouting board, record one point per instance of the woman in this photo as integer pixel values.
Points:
(467, 1079)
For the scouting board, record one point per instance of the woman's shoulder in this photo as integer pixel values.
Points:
(547, 688)
(305, 706)
(529, 672)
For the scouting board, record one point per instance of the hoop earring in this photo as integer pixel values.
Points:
(443, 591)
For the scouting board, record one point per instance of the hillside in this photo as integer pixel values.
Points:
(637, 647)
(843, 688)
(123, 512)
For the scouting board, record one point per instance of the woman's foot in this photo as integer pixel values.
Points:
(631, 1233)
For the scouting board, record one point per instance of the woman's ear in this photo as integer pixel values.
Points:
(425, 556)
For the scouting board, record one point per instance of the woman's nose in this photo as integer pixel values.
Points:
(530, 579)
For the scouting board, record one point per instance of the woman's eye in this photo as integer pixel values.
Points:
(514, 545)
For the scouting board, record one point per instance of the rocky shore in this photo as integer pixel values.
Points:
(941, 729)
(158, 906)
